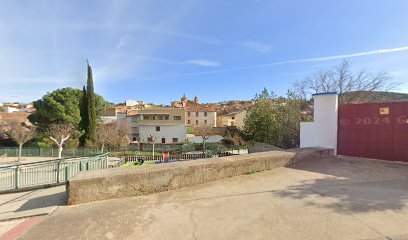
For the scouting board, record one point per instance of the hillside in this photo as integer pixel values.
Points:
(372, 97)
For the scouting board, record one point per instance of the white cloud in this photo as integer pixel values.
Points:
(205, 63)
(303, 60)
(257, 46)
(351, 55)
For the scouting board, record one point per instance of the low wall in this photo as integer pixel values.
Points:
(134, 181)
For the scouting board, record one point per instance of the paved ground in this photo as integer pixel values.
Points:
(4, 161)
(16, 209)
(325, 199)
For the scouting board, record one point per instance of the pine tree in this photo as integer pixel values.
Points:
(84, 116)
(91, 110)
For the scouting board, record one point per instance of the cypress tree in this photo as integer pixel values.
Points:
(84, 116)
(91, 109)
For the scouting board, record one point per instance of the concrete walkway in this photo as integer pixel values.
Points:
(325, 199)
(18, 208)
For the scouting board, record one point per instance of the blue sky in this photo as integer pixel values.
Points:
(219, 50)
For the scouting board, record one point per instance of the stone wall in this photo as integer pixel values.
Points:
(134, 181)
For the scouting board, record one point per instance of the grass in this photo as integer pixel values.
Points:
(131, 164)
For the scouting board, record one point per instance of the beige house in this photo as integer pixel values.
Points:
(201, 116)
(232, 119)
(196, 113)
(161, 125)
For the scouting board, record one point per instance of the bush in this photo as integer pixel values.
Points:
(229, 142)
(216, 147)
(187, 147)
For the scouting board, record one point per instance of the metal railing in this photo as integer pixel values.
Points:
(48, 172)
(172, 157)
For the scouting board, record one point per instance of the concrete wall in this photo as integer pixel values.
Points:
(239, 119)
(323, 131)
(134, 181)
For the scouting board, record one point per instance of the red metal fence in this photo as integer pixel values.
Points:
(374, 131)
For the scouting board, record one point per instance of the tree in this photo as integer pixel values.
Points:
(113, 134)
(153, 140)
(123, 130)
(273, 120)
(20, 134)
(59, 133)
(63, 106)
(104, 134)
(342, 79)
(84, 116)
(204, 131)
(91, 120)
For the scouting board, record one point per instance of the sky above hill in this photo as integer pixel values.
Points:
(219, 50)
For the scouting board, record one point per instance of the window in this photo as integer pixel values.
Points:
(196, 121)
(189, 114)
(134, 119)
(154, 117)
(163, 140)
(145, 117)
(197, 114)
(161, 117)
(188, 121)
(177, 117)
(134, 139)
(205, 121)
(175, 140)
(157, 129)
(205, 114)
(150, 139)
(166, 117)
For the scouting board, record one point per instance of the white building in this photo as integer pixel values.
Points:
(9, 109)
(131, 102)
(161, 125)
(323, 131)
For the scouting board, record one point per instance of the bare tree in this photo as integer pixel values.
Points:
(342, 79)
(114, 134)
(204, 131)
(20, 134)
(123, 130)
(104, 134)
(59, 133)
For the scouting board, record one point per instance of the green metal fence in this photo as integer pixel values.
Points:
(47, 152)
(48, 172)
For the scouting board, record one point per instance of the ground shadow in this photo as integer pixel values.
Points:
(56, 199)
(351, 185)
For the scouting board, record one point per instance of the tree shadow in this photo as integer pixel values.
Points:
(351, 185)
(56, 199)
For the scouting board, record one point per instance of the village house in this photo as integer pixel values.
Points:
(232, 119)
(161, 125)
(196, 113)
